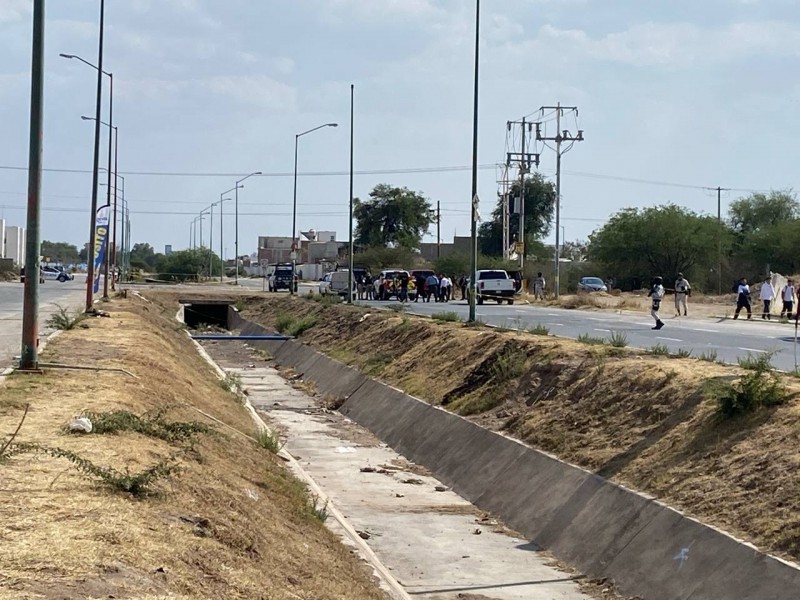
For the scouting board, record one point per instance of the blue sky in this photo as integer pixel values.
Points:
(696, 93)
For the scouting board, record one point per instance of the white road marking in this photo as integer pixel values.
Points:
(606, 330)
(553, 315)
(754, 350)
(668, 339)
(706, 330)
(650, 323)
(594, 319)
(557, 325)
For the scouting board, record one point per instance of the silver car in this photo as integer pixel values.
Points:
(592, 284)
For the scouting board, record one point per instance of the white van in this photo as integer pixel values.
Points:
(338, 283)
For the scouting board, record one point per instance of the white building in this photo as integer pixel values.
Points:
(13, 239)
(2, 238)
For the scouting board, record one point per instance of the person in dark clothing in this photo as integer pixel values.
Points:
(462, 284)
(420, 281)
(743, 299)
(403, 294)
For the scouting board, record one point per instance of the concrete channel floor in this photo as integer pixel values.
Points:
(435, 543)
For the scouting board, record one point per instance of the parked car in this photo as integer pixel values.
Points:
(22, 275)
(325, 284)
(338, 282)
(592, 284)
(494, 284)
(56, 274)
(387, 284)
(281, 279)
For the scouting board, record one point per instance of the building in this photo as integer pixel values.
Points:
(13, 244)
(2, 238)
(430, 251)
(273, 249)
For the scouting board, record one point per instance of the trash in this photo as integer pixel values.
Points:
(251, 494)
(80, 425)
(364, 535)
(477, 531)
(364, 318)
(367, 469)
(440, 488)
(398, 495)
(345, 450)
(412, 481)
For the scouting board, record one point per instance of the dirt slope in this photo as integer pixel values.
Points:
(646, 421)
(230, 522)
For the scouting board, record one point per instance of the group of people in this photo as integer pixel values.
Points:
(657, 292)
(365, 287)
(767, 295)
(439, 287)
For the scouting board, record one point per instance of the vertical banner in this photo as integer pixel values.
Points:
(100, 243)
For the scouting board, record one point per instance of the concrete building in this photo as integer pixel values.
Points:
(272, 249)
(460, 245)
(2, 238)
(12, 244)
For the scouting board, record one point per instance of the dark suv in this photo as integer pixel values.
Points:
(281, 279)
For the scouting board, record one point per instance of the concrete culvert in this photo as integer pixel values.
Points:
(208, 312)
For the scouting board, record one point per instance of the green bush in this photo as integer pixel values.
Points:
(447, 317)
(509, 365)
(539, 329)
(659, 350)
(283, 321)
(299, 326)
(619, 339)
(64, 320)
(761, 363)
(757, 389)
(585, 338)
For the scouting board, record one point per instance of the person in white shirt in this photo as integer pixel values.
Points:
(657, 293)
(767, 295)
(445, 285)
(538, 287)
(682, 290)
(743, 299)
(787, 295)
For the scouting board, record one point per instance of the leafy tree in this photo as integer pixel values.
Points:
(637, 244)
(381, 257)
(774, 246)
(576, 251)
(187, 264)
(757, 211)
(540, 202)
(60, 252)
(143, 254)
(392, 217)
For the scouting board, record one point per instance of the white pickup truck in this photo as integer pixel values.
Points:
(494, 284)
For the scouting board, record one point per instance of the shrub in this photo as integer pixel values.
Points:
(757, 389)
(659, 350)
(447, 317)
(683, 353)
(539, 329)
(300, 326)
(283, 321)
(585, 338)
(509, 365)
(710, 356)
(268, 440)
(64, 320)
(761, 362)
(619, 339)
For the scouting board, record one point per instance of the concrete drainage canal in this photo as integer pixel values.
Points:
(438, 498)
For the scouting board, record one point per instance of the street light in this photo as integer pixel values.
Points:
(96, 161)
(221, 248)
(473, 251)
(294, 200)
(236, 218)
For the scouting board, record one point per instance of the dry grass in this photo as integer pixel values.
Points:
(646, 421)
(231, 523)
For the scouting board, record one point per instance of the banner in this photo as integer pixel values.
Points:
(100, 243)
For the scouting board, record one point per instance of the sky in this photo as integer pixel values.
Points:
(674, 97)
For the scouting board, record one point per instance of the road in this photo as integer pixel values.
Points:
(68, 294)
(729, 339)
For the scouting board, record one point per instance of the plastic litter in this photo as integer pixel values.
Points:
(81, 425)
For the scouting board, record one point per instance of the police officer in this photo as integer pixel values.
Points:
(657, 294)
(682, 291)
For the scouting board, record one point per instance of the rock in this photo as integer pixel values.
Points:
(293, 580)
(440, 488)
(412, 481)
(477, 531)
(398, 495)
(80, 425)
(364, 535)
(367, 469)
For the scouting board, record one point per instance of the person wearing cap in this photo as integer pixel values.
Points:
(743, 299)
(767, 295)
(682, 291)
(657, 294)
(787, 295)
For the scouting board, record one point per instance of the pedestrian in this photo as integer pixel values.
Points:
(657, 294)
(432, 284)
(403, 294)
(419, 280)
(447, 288)
(743, 299)
(538, 287)
(682, 291)
(787, 295)
(767, 295)
(462, 283)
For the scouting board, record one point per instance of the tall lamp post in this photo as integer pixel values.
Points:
(221, 248)
(294, 200)
(96, 161)
(474, 231)
(236, 219)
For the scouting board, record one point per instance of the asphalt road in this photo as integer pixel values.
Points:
(729, 339)
(68, 294)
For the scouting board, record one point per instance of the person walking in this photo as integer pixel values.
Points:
(403, 293)
(462, 283)
(446, 287)
(743, 299)
(767, 295)
(682, 291)
(432, 285)
(787, 295)
(538, 287)
(657, 294)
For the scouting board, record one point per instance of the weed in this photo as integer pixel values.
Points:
(301, 325)
(447, 317)
(268, 440)
(331, 300)
(283, 321)
(784, 320)
(539, 329)
(149, 424)
(136, 484)
(683, 353)
(509, 365)
(398, 308)
(232, 382)
(585, 338)
(759, 388)
(240, 304)
(376, 364)
(403, 324)
(320, 513)
(710, 356)
(659, 350)
(619, 339)
(476, 323)
(64, 320)
(761, 362)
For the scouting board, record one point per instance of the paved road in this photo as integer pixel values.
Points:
(68, 294)
(729, 339)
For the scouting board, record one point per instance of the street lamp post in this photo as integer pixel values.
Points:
(95, 163)
(474, 200)
(294, 200)
(236, 219)
(221, 254)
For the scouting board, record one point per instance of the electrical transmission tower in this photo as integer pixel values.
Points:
(502, 194)
(561, 137)
(523, 160)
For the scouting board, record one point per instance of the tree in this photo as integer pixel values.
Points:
(392, 217)
(143, 254)
(59, 252)
(576, 251)
(637, 244)
(757, 211)
(187, 264)
(774, 247)
(540, 202)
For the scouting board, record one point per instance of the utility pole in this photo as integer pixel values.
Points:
(473, 251)
(719, 239)
(505, 208)
(438, 229)
(350, 229)
(29, 357)
(524, 160)
(560, 137)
